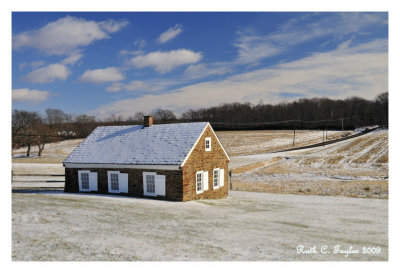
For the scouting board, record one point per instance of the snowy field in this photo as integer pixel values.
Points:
(356, 167)
(244, 226)
(52, 153)
(239, 143)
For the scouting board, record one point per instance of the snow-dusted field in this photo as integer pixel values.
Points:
(52, 153)
(357, 167)
(239, 143)
(244, 226)
(37, 168)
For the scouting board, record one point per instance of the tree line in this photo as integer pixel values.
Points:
(31, 128)
(304, 113)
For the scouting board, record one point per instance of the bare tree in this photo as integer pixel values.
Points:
(163, 116)
(44, 135)
(382, 102)
(56, 116)
(23, 133)
(22, 120)
(84, 124)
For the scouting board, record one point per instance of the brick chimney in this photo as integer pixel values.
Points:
(148, 121)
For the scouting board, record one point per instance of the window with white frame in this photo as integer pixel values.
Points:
(114, 182)
(216, 178)
(85, 180)
(153, 184)
(150, 183)
(117, 182)
(199, 181)
(208, 144)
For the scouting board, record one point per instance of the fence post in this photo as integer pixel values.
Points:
(294, 131)
(230, 179)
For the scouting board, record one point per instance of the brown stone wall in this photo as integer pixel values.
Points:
(173, 182)
(200, 160)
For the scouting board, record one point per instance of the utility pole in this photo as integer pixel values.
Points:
(294, 131)
(326, 130)
(342, 126)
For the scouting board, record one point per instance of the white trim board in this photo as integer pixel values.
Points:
(197, 141)
(194, 145)
(121, 166)
(219, 142)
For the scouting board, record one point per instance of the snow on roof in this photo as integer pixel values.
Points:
(165, 144)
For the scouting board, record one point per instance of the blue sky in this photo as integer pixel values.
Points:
(122, 63)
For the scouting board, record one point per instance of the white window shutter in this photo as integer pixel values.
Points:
(109, 180)
(93, 181)
(205, 181)
(80, 180)
(144, 183)
(160, 185)
(123, 182)
(221, 177)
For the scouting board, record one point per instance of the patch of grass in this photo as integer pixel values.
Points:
(383, 159)
(296, 225)
(43, 159)
(247, 168)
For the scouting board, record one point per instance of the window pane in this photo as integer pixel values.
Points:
(199, 182)
(150, 184)
(85, 181)
(114, 182)
(216, 178)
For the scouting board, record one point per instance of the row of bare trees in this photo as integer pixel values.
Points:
(309, 113)
(30, 128)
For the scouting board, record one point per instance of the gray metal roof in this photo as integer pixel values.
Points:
(165, 144)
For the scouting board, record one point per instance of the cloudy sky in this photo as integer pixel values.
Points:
(122, 63)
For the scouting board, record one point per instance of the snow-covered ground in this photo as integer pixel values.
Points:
(239, 143)
(37, 168)
(244, 226)
(356, 167)
(52, 153)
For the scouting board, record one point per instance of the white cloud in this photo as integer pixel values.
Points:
(133, 52)
(48, 73)
(72, 59)
(37, 64)
(27, 95)
(167, 60)
(360, 70)
(112, 26)
(109, 74)
(149, 86)
(140, 43)
(170, 34)
(67, 34)
(253, 46)
(201, 70)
